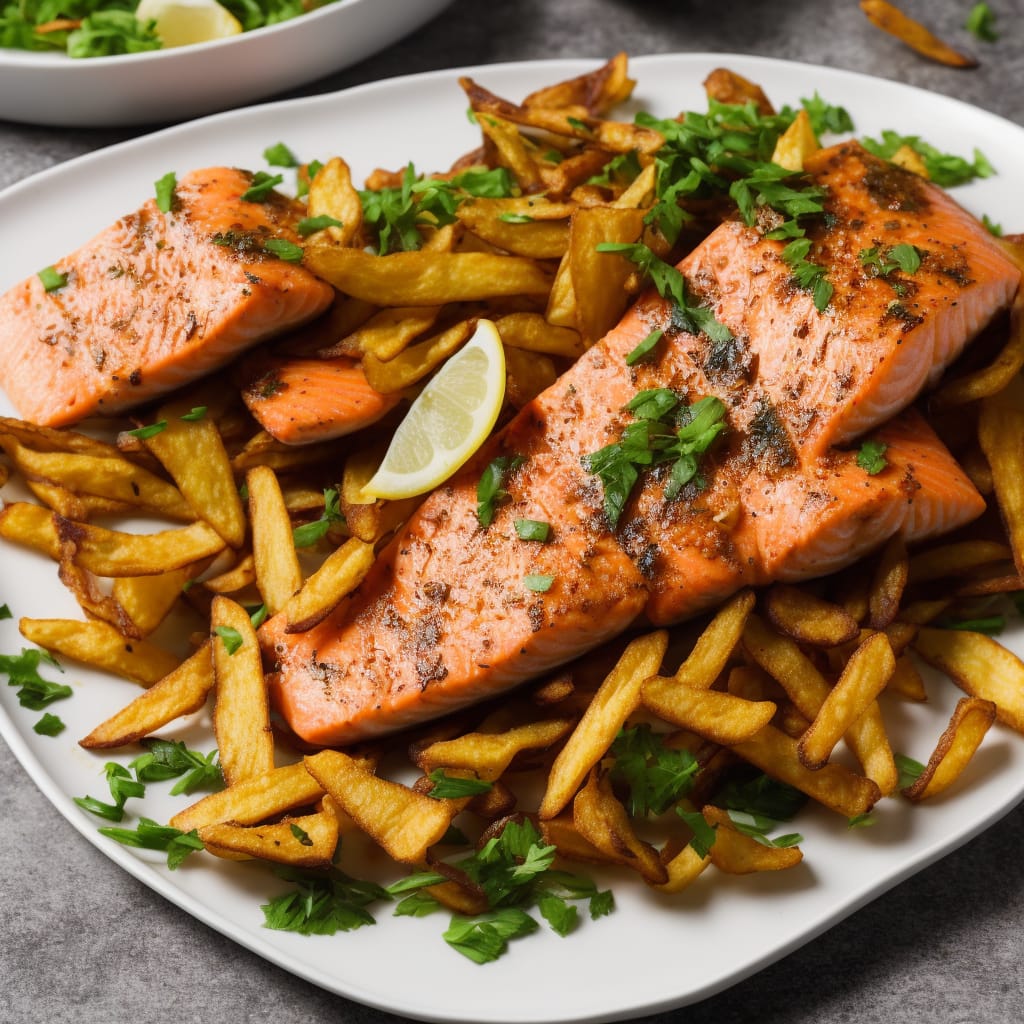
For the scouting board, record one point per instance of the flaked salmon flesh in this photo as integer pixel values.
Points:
(447, 617)
(155, 301)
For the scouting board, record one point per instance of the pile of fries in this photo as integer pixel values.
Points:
(792, 682)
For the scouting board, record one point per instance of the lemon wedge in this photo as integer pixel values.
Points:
(183, 22)
(449, 420)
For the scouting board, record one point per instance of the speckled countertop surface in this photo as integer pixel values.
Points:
(81, 941)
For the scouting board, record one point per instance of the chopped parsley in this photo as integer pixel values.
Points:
(197, 412)
(703, 832)
(645, 350)
(671, 285)
(981, 23)
(262, 187)
(532, 529)
(121, 785)
(308, 534)
(808, 275)
(284, 250)
(395, 215)
(490, 489)
(515, 218)
(52, 279)
(279, 155)
(450, 787)
(231, 637)
(991, 625)
(308, 225)
(258, 615)
(149, 835)
(321, 904)
(49, 725)
(909, 770)
(151, 430)
(871, 457)
(654, 775)
(513, 871)
(905, 257)
(539, 583)
(171, 759)
(165, 187)
(301, 834)
(22, 670)
(991, 226)
(5, 612)
(667, 430)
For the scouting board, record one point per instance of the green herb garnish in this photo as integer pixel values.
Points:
(171, 759)
(52, 279)
(165, 187)
(655, 775)
(284, 250)
(871, 457)
(452, 787)
(148, 431)
(49, 725)
(308, 225)
(539, 583)
(909, 770)
(532, 529)
(22, 670)
(490, 490)
(279, 155)
(981, 23)
(231, 637)
(645, 349)
(262, 186)
(321, 904)
(308, 534)
(148, 835)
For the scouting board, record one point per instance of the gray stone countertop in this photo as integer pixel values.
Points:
(81, 941)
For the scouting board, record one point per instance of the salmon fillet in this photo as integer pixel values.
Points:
(154, 301)
(445, 618)
(299, 401)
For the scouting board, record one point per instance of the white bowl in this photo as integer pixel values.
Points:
(184, 82)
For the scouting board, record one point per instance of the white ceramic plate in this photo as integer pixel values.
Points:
(176, 84)
(652, 953)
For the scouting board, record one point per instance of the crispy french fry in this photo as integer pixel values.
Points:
(597, 91)
(999, 430)
(386, 333)
(332, 194)
(308, 841)
(241, 714)
(971, 719)
(980, 666)
(101, 646)
(115, 553)
(180, 692)
(892, 20)
(602, 821)
(739, 854)
(720, 717)
(887, 585)
(405, 823)
(616, 699)
(192, 452)
(683, 869)
(147, 600)
(809, 619)
(490, 754)
(833, 786)
(865, 676)
(341, 572)
(796, 143)
(960, 558)
(725, 86)
(32, 526)
(278, 574)
(415, 362)
(426, 278)
(254, 800)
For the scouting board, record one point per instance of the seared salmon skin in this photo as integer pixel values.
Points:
(155, 301)
(455, 611)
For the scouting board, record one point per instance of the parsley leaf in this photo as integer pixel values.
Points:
(485, 937)
(452, 787)
(171, 759)
(231, 637)
(284, 250)
(150, 430)
(645, 349)
(5, 612)
(945, 169)
(655, 775)
(490, 489)
(761, 795)
(871, 457)
(981, 23)
(308, 225)
(262, 186)
(165, 187)
(22, 670)
(532, 529)
(122, 786)
(49, 725)
(309, 533)
(52, 279)
(196, 413)
(703, 833)
(148, 835)
(321, 904)
(539, 583)
(279, 155)
(909, 770)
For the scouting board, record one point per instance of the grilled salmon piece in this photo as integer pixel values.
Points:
(447, 616)
(883, 337)
(155, 301)
(299, 401)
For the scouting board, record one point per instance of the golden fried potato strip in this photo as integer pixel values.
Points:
(341, 572)
(180, 692)
(739, 854)
(891, 19)
(308, 841)
(616, 699)
(278, 574)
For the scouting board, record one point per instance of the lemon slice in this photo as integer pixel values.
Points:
(449, 420)
(183, 22)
